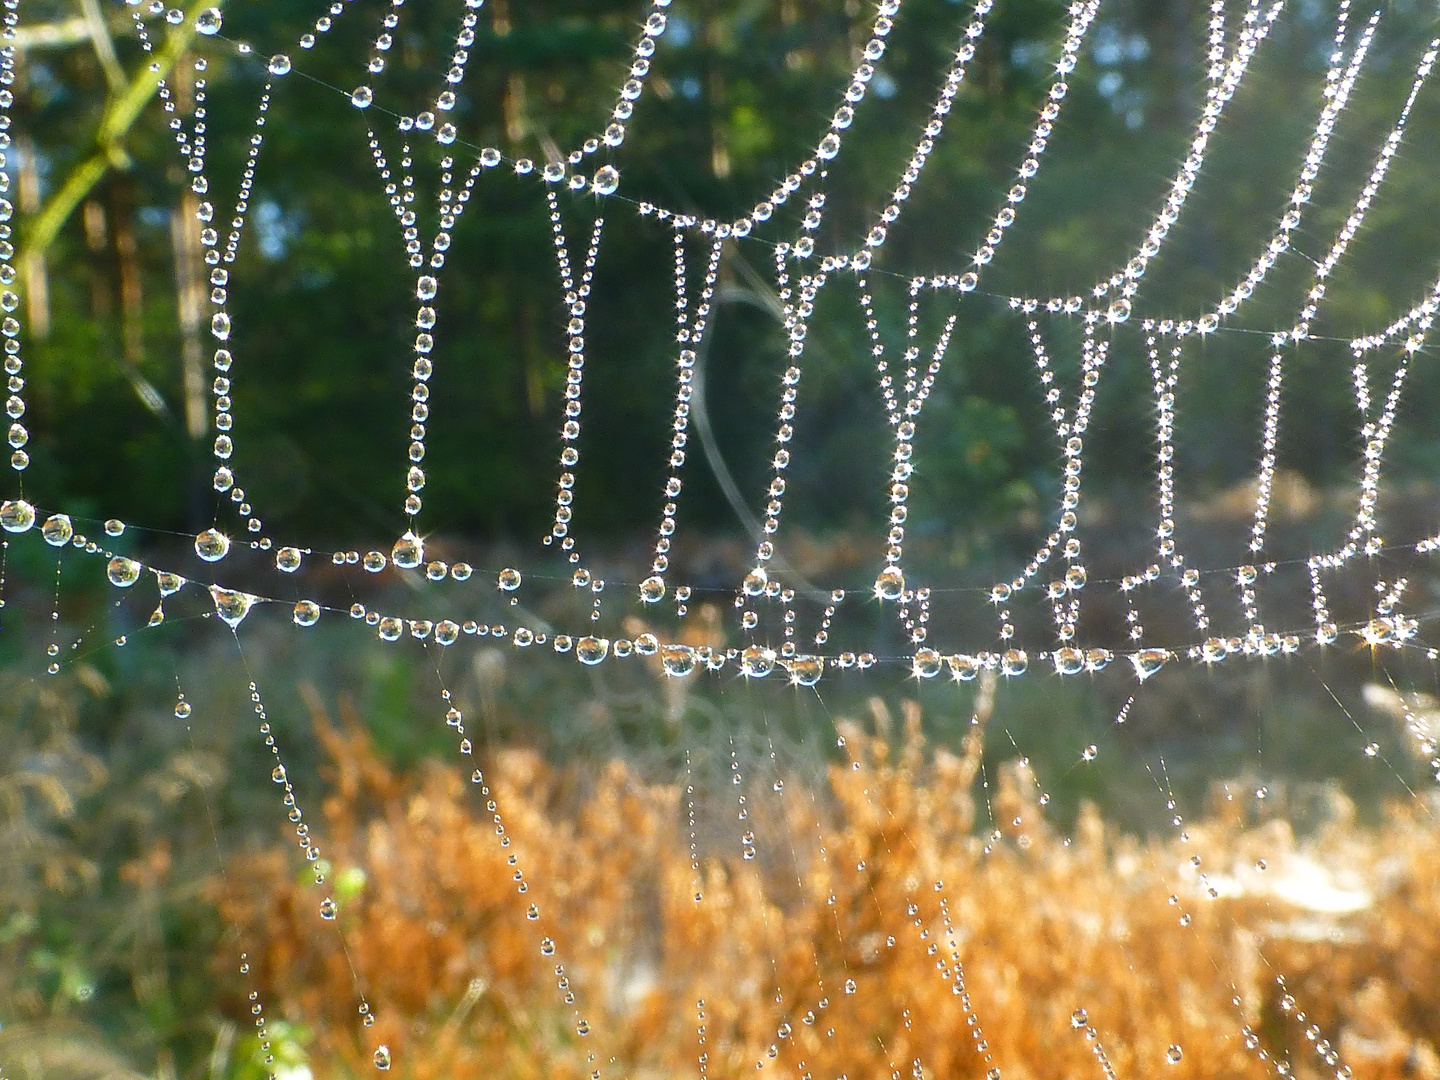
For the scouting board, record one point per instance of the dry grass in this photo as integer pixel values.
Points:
(880, 882)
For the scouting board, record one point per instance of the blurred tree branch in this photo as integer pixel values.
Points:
(121, 113)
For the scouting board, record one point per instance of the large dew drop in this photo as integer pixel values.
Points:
(1068, 661)
(230, 605)
(890, 584)
(509, 580)
(17, 515)
(361, 98)
(607, 180)
(408, 552)
(926, 663)
(591, 650)
(652, 589)
(279, 65)
(755, 582)
(208, 22)
(1148, 661)
(382, 1057)
(307, 613)
(123, 572)
(288, 559)
(677, 660)
(212, 545)
(757, 662)
(57, 530)
(806, 670)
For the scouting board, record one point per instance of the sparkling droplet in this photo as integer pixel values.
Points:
(591, 650)
(277, 774)
(1079, 1019)
(287, 559)
(123, 572)
(806, 670)
(509, 580)
(182, 710)
(57, 530)
(307, 613)
(212, 545)
(362, 97)
(677, 660)
(17, 516)
(607, 180)
(408, 552)
(1174, 1054)
(890, 584)
(328, 908)
(1068, 661)
(755, 582)
(208, 22)
(426, 287)
(652, 589)
(926, 663)
(1148, 661)
(114, 527)
(230, 605)
(757, 662)
(382, 1057)
(279, 65)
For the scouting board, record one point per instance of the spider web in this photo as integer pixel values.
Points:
(1066, 610)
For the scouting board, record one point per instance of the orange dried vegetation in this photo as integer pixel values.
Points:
(875, 935)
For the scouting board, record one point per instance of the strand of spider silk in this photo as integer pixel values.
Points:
(328, 908)
(1339, 88)
(688, 334)
(1224, 78)
(796, 309)
(18, 436)
(1314, 298)
(575, 300)
(1165, 378)
(454, 718)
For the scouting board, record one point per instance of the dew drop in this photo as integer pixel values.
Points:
(17, 516)
(114, 527)
(382, 1053)
(607, 180)
(287, 559)
(755, 582)
(212, 545)
(890, 584)
(208, 22)
(806, 670)
(677, 660)
(328, 908)
(757, 662)
(362, 97)
(279, 65)
(123, 572)
(652, 589)
(57, 530)
(926, 663)
(591, 650)
(182, 710)
(307, 613)
(408, 551)
(1079, 1019)
(1148, 661)
(278, 774)
(230, 605)
(509, 580)
(1174, 1054)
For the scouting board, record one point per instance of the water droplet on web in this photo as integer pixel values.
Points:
(362, 97)
(408, 551)
(328, 908)
(926, 663)
(677, 660)
(890, 584)
(509, 580)
(279, 65)
(382, 1057)
(1079, 1019)
(182, 709)
(757, 662)
(288, 559)
(607, 180)
(208, 22)
(230, 605)
(278, 774)
(652, 589)
(212, 545)
(17, 515)
(583, 1027)
(1148, 661)
(591, 650)
(57, 530)
(1174, 1054)
(114, 527)
(806, 670)
(426, 287)
(123, 572)
(307, 613)
(755, 582)
(547, 947)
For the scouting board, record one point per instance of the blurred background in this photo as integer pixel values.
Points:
(145, 852)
